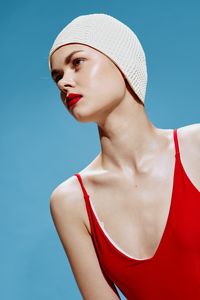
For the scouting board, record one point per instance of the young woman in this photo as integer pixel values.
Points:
(131, 217)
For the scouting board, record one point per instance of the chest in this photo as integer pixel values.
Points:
(134, 214)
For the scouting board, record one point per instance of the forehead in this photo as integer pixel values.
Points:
(63, 53)
(66, 50)
(72, 47)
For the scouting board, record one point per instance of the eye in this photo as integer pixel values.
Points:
(75, 62)
(78, 59)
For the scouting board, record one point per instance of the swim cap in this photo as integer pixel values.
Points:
(113, 38)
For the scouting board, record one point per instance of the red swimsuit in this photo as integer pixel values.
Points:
(173, 273)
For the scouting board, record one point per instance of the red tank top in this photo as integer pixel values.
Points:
(173, 273)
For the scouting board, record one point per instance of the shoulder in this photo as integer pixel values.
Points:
(67, 200)
(192, 131)
(189, 136)
(189, 144)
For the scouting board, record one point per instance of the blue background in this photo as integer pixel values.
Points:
(42, 145)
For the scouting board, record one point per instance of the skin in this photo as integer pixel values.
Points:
(108, 102)
(136, 161)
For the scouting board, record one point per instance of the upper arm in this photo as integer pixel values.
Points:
(79, 248)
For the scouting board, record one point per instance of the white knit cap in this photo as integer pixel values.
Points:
(113, 38)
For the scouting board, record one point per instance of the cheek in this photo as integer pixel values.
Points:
(106, 81)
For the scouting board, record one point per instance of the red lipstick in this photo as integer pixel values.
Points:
(72, 99)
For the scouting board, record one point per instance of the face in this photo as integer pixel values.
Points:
(91, 74)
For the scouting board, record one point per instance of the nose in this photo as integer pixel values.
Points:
(66, 81)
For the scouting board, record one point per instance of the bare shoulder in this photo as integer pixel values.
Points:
(65, 190)
(192, 130)
(67, 199)
(189, 144)
(189, 137)
(68, 195)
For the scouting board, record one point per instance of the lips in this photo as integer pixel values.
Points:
(73, 98)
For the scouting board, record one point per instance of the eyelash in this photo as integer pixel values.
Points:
(74, 60)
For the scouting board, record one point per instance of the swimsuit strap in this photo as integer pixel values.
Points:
(86, 196)
(176, 142)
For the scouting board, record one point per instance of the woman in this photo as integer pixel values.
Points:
(131, 217)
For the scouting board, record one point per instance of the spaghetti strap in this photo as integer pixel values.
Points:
(177, 153)
(86, 196)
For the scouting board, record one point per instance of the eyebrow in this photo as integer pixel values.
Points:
(67, 60)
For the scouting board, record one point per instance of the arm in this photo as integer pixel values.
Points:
(79, 248)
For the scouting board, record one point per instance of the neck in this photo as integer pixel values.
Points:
(128, 139)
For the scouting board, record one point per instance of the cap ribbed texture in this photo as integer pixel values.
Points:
(113, 38)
